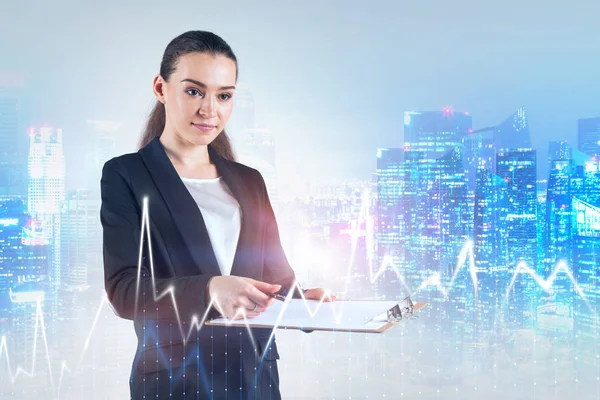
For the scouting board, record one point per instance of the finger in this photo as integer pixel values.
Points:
(329, 296)
(258, 307)
(314, 294)
(249, 305)
(258, 296)
(265, 287)
(318, 294)
(244, 303)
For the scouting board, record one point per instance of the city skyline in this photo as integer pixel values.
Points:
(446, 151)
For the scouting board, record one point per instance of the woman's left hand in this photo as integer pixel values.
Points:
(318, 294)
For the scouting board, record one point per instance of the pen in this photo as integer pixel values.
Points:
(276, 296)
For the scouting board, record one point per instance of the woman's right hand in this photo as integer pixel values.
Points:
(230, 293)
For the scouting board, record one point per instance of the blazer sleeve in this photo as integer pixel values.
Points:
(276, 268)
(121, 221)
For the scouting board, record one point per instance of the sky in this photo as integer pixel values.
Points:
(331, 79)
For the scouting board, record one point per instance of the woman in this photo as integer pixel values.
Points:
(190, 234)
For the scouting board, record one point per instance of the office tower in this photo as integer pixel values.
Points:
(518, 169)
(393, 210)
(347, 243)
(480, 152)
(490, 246)
(22, 332)
(439, 222)
(559, 150)
(555, 309)
(557, 202)
(481, 145)
(558, 209)
(10, 239)
(589, 136)
(81, 240)
(586, 258)
(585, 188)
(13, 156)
(21, 258)
(256, 148)
(47, 187)
(435, 158)
(103, 142)
(513, 132)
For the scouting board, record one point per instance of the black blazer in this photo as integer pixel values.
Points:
(184, 260)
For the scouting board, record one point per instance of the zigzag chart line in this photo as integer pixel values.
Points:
(435, 278)
(466, 255)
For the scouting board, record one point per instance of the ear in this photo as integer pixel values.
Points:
(159, 88)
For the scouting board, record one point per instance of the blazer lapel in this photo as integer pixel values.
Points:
(182, 206)
(188, 217)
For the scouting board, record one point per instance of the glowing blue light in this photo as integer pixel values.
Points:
(9, 221)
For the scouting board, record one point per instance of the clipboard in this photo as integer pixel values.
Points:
(362, 316)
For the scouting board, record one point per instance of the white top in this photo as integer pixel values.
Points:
(222, 216)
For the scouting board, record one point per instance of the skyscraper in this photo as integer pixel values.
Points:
(556, 240)
(103, 145)
(13, 156)
(518, 169)
(81, 239)
(558, 208)
(47, 187)
(394, 206)
(513, 132)
(435, 158)
(21, 258)
(256, 148)
(589, 136)
(586, 258)
(480, 152)
(490, 245)
(559, 150)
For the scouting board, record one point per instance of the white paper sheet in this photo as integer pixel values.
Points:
(307, 314)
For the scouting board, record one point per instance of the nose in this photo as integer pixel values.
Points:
(207, 108)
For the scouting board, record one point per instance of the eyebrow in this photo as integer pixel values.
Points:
(203, 85)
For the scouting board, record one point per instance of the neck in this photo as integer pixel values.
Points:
(183, 151)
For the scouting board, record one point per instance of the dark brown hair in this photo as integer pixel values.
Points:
(189, 42)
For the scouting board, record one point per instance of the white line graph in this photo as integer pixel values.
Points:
(466, 256)
(546, 284)
(40, 329)
(39, 325)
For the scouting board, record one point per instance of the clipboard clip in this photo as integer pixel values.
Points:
(402, 310)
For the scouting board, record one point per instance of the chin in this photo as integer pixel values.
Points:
(202, 141)
(198, 138)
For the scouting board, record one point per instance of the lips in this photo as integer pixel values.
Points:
(204, 125)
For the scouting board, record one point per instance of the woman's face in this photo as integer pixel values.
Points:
(200, 91)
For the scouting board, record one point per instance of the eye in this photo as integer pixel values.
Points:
(228, 96)
(192, 90)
